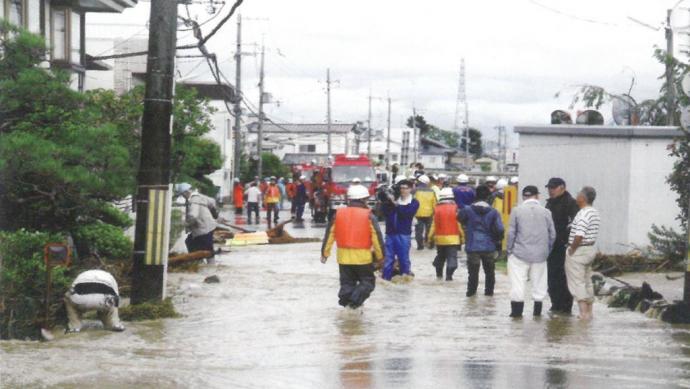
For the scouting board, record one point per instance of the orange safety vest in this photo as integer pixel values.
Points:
(445, 220)
(353, 228)
(291, 190)
(272, 194)
(238, 195)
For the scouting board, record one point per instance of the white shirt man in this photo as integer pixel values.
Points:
(530, 238)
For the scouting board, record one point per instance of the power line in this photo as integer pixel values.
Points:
(571, 16)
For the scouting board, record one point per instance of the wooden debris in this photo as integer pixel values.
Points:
(278, 235)
(246, 230)
(190, 257)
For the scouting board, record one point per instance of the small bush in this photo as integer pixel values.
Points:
(23, 283)
(667, 243)
(104, 240)
(112, 215)
(149, 311)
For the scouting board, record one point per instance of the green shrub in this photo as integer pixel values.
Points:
(104, 240)
(111, 215)
(667, 243)
(23, 283)
(149, 311)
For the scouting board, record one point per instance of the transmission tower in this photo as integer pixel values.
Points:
(462, 122)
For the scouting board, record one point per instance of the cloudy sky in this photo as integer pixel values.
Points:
(518, 54)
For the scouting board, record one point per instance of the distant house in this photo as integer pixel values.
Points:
(62, 24)
(487, 164)
(281, 139)
(627, 165)
(436, 155)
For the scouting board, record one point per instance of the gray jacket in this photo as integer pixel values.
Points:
(199, 219)
(531, 233)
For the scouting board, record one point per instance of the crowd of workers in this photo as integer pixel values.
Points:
(550, 247)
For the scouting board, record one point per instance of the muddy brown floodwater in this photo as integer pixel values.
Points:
(273, 322)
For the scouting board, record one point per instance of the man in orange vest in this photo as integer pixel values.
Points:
(291, 191)
(447, 234)
(238, 196)
(356, 232)
(271, 199)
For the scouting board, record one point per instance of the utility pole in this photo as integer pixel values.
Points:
(369, 128)
(414, 135)
(153, 180)
(388, 136)
(328, 109)
(237, 110)
(686, 291)
(670, 85)
(259, 140)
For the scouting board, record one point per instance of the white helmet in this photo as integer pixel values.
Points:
(357, 192)
(442, 176)
(356, 180)
(302, 177)
(398, 179)
(501, 184)
(463, 179)
(424, 179)
(446, 194)
(491, 179)
(514, 180)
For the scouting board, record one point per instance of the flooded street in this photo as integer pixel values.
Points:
(274, 322)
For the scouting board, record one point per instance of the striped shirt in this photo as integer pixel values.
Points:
(586, 225)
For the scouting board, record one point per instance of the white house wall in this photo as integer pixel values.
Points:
(221, 134)
(601, 162)
(651, 200)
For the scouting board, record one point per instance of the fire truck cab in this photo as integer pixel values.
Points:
(344, 169)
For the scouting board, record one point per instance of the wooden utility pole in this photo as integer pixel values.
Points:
(670, 85)
(237, 109)
(414, 136)
(153, 179)
(260, 133)
(369, 129)
(388, 136)
(328, 109)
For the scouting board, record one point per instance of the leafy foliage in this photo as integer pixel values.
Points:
(271, 166)
(667, 243)
(102, 240)
(22, 259)
(450, 138)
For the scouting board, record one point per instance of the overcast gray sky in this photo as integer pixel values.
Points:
(518, 54)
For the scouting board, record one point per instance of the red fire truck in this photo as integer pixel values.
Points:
(345, 168)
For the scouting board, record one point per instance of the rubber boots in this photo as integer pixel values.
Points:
(537, 308)
(516, 308)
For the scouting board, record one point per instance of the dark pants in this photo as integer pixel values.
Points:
(447, 255)
(200, 243)
(271, 208)
(561, 299)
(252, 208)
(299, 211)
(356, 284)
(293, 206)
(487, 261)
(238, 210)
(421, 231)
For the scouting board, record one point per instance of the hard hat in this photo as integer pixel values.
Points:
(356, 180)
(446, 194)
(357, 192)
(501, 183)
(442, 176)
(236, 179)
(514, 180)
(491, 179)
(182, 187)
(302, 177)
(463, 179)
(398, 179)
(423, 179)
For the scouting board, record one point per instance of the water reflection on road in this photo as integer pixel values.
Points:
(273, 321)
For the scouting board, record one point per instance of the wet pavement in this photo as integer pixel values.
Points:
(273, 322)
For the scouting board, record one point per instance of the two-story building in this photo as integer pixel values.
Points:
(62, 24)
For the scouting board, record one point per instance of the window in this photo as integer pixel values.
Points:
(59, 33)
(15, 12)
(66, 35)
(307, 148)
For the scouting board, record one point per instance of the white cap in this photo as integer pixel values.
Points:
(501, 183)
(514, 180)
(398, 179)
(463, 179)
(356, 180)
(446, 194)
(357, 192)
(423, 179)
(491, 179)
(442, 176)
(182, 187)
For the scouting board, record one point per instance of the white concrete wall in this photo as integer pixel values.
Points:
(222, 135)
(651, 200)
(432, 161)
(601, 162)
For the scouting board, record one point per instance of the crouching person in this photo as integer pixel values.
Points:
(356, 232)
(447, 234)
(93, 290)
